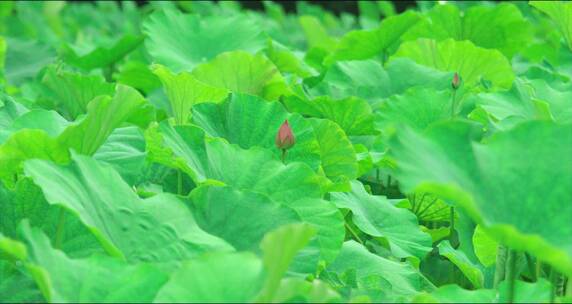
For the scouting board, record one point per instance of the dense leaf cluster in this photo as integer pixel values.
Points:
(432, 158)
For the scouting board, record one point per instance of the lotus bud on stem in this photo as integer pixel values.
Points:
(455, 84)
(284, 138)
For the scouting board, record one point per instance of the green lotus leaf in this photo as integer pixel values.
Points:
(485, 247)
(366, 44)
(376, 216)
(302, 291)
(72, 91)
(101, 29)
(527, 100)
(457, 257)
(102, 56)
(558, 101)
(215, 277)
(24, 59)
(49, 121)
(279, 249)
(182, 41)
(242, 72)
(455, 294)
(256, 169)
(352, 114)
(27, 144)
(339, 160)
(287, 60)
(62, 279)
(240, 217)
(26, 202)
(15, 284)
(429, 208)
(138, 156)
(487, 27)
(474, 64)
(137, 74)
(368, 80)
(404, 280)
(561, 14)
(364, 158)
(364, 79)
(184, 91)
(448, 162)
(328, 222)
(315, 33)
(417, 108)
(249, 121)
(437, 234)
(104, 115)
(160, 228)
(405, 73)
(2, 54)
(86, 136)
(12, 249)
(124, 149)
(9, 111)
(178, 147)
(507, 109)
(526, 292)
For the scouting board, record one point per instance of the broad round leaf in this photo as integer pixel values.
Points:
(446, 162)
(160, 228)
(376, 216)
(215, 277)
(181, 41)
(474, 64)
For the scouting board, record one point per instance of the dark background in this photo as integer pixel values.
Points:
(335, 7)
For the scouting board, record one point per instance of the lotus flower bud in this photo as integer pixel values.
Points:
(285, 138)
(456, 81)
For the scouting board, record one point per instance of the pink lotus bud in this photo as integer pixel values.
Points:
(456, 81)
(285, 138)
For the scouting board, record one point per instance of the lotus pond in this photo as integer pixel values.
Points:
(206, 152)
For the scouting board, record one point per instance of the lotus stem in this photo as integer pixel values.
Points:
(511, 275)
(60, 229)
(388, 181)
(179, 183)
(452, 226)
(553, 277)
(108, 72)
(560, 286)
(500, 265)
(531, 267)
(453, 101)
(354, 233)
(283, 157)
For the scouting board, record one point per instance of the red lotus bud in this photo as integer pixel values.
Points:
(285, 138)
(456, 81)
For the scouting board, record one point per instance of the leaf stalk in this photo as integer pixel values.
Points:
(511, 275)
(500, 265)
